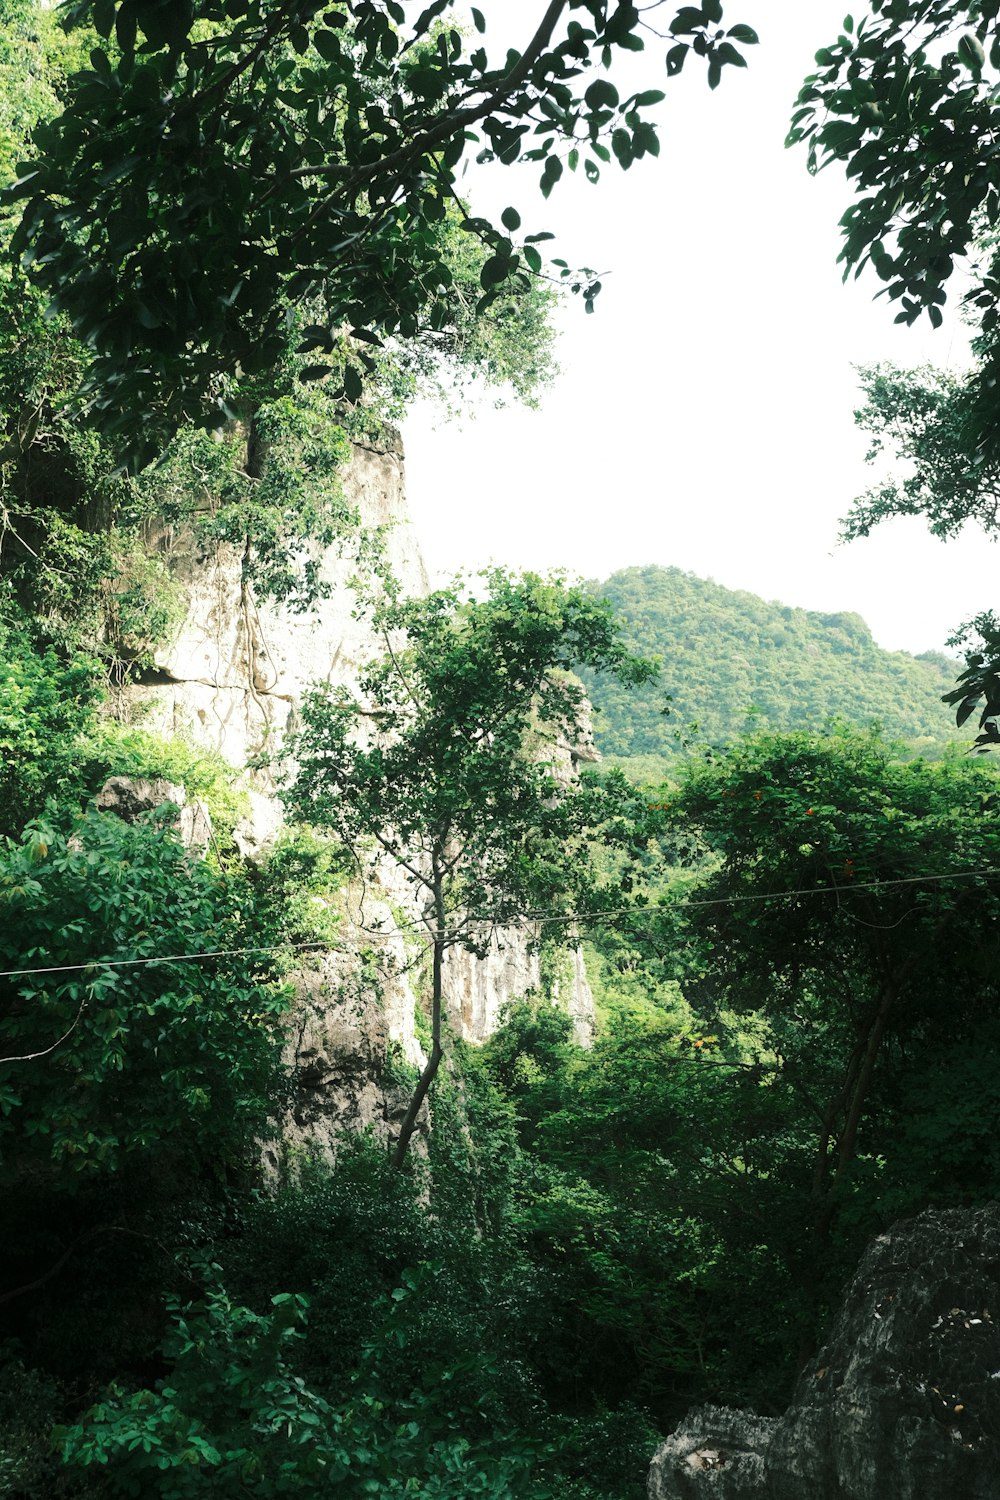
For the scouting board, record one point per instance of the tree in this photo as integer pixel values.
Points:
(48, 704)
(234, 1419)
(268, 483)
(930, 420)
(104, 1064)
(907, 102)
(133, 1092)
(850, 918)
(223, 161)
(446, 763)
(781, 668)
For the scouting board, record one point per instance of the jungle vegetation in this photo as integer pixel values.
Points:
(590, 1238)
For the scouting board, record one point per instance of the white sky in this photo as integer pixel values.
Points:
(703, 418)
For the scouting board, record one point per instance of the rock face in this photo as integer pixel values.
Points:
(235, 668)
(130, 797)
(903, 1403)
(230, 680)
(352, 1053)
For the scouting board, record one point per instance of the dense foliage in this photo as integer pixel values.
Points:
(221, 163)
(906, 101)
(446, 761)
(74, 529)
(730, 662)
(792, 947)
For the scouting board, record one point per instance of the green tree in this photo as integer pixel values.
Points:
(108, 1056)
(219, 163)
(906, 101)
(134, 1093)
(922, 418)
(233, 1419)
(266, 482)
(48, 704)
(850, 920)
(729, 658)
(447, 762)
(930, 421)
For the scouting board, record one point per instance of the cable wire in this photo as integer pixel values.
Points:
(166, 958)
(390, 934)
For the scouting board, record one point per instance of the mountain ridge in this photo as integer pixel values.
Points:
(732, 661)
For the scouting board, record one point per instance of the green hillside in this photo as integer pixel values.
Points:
(731, 661)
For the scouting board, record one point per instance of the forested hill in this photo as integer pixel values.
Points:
(731, 661)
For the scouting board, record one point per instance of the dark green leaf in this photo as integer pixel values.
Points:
(970, 50)
(601, 94)
(125, 28)
(621, 145)
(494, 271)
(327, 44)
(675, 58)
(353, 384)
(688, 19)
(726, 53)
(551, 174)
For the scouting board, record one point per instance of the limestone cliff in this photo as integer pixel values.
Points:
(234, 670)
(230, 679)
(903, 1403)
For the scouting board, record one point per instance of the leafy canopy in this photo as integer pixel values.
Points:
(907, 102)
(455, 762)
(926, 419)
(732, 662)
(169, 1064)
(48, 702)
(448, 758)
(219, 163)
(233, 1419)
(853, 909)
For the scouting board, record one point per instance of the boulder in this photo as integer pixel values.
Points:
(903, 1402)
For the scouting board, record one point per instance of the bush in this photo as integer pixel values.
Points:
(48, 699)
(232, 1419)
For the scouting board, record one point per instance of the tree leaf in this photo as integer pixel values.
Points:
(601, 94)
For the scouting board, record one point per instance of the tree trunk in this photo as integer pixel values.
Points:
(426, 1078)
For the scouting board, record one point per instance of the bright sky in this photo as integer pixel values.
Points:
(703, 417)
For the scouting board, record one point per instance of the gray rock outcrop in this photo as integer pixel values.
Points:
(352, 1053)
(235, 668)
(903, 1403)
(130, 797)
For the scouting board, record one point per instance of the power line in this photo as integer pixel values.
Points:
(563, 917)
(684, 901)
(811, 890)
(167, 958)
